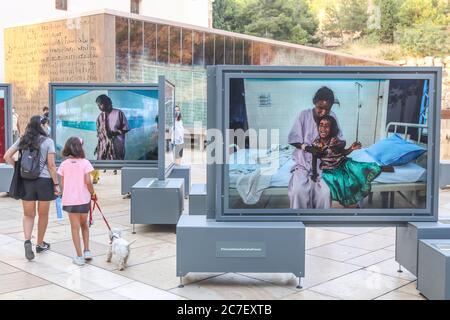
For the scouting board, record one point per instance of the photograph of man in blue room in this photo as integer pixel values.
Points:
(114, 124)
(342, 143)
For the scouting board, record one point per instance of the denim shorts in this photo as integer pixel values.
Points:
(80, 208)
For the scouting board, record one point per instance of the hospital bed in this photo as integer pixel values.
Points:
(407, 182)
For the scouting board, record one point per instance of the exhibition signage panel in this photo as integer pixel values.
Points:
(209, 246)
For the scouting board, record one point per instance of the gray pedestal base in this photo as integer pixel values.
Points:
(434, 269)
(407, 239)
(6, 174)
(131, 175)
(197, 199)
(183, 172)
(156, 201)
(444, 173)
(210, 246)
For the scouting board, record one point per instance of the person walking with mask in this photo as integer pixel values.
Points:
(38, 192)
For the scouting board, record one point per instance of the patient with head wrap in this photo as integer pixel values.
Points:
(349, 181)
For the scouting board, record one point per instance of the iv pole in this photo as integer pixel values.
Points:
(358, 87)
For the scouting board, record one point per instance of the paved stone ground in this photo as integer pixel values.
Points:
(341, 263)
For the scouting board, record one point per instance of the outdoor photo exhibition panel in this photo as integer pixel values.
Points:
(323, 144)
(6, 130)
(166, 119)
(118, 123)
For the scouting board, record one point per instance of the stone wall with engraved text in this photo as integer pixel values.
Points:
(72, 50)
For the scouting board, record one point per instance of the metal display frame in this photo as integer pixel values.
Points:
(7, 115)
(218, 115)
(162, 83)
(117, 164)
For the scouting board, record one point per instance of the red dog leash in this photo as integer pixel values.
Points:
(91, 210)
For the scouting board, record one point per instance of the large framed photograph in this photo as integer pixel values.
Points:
(326, 144)
(117, 123)
(6, 119)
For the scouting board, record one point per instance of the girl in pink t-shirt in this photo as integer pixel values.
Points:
(77, 194)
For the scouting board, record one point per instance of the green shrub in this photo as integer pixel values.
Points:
(424, 39)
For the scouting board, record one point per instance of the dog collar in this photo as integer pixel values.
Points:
(112, 238)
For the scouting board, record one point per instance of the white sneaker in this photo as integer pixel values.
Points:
(87, 255)
(79, 261)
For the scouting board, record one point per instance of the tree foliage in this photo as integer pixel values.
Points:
(424, 39)
(284, 20)
(231, 15)
(354, 15)
(345, 16)
(423, 27)
(414, 12)
(332, 25)
(388, 20)
(418, 26)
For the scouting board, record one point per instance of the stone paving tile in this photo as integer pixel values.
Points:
(231, 286)
(368, 241)
(337, 252)
(317, 270)
(317, 237)
(19, 280)
(134, 291)
(398, 295)
(88, 279)
(308, 295)
(5, 268)
(390, 267)
(390, 248)
(372, 258)
(389, 232)
(160, 273)
(351, 230)
(410, 288)
(46, 292)
(56, 233)
(139, 255)
(58, 269)
(358, 285)
(67, 248)
(138, 240)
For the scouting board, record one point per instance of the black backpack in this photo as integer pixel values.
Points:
(30, 167)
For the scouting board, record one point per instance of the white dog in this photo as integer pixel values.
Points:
(118, 247)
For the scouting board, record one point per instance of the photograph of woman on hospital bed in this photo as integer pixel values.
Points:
(315, 168)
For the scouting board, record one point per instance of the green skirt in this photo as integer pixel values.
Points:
(351, 181)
